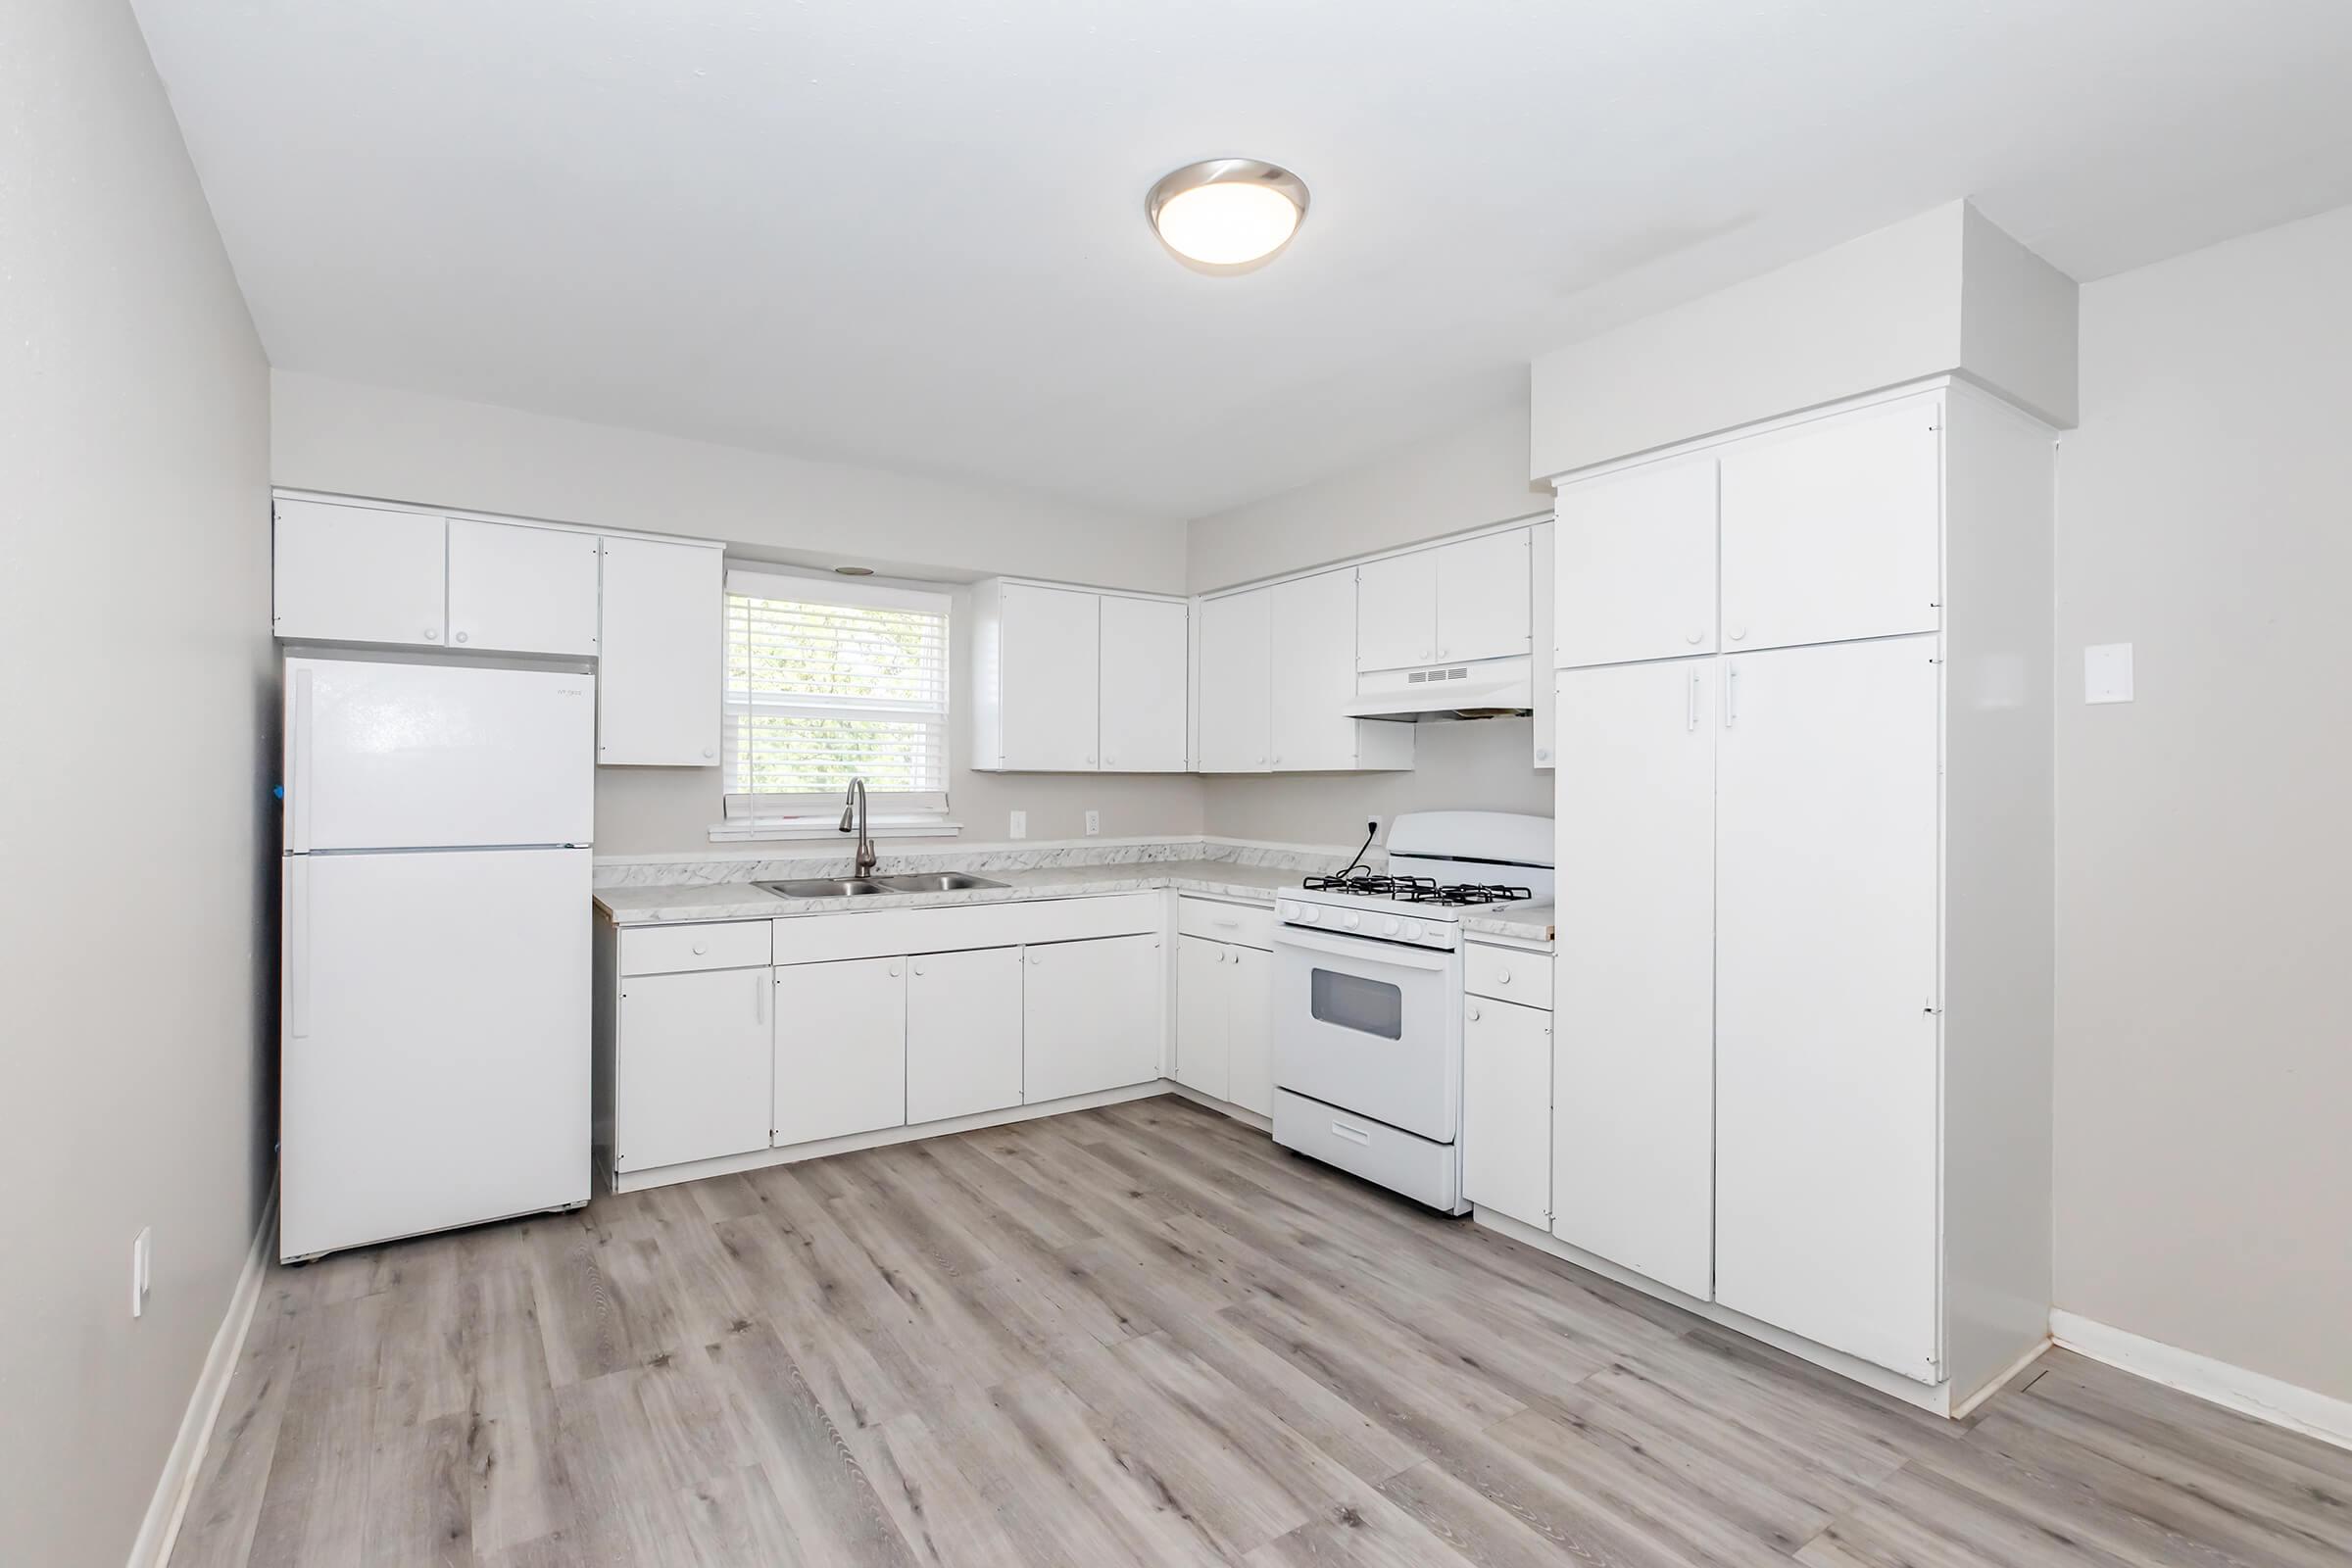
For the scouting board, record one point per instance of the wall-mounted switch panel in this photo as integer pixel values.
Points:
(2107, 672)
(1021, 824)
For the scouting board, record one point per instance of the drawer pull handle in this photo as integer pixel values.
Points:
(700, 947)
(1354, 1135)
(1503, 977)
(1230, 925)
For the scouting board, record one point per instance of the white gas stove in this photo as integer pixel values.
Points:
(1368, 996)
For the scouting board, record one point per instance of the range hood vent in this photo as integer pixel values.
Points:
(1491, 688)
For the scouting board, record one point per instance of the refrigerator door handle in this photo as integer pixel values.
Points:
(298, 949)
(298, 786)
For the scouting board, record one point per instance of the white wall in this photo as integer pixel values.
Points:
(134, 792)
(1455, 480)
(401, 446)
(2204, 1094)
(1943, 291)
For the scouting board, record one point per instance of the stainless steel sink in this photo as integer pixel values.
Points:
(937, 882)
(825, 887)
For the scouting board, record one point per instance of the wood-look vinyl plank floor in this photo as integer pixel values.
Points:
(1143, 1335)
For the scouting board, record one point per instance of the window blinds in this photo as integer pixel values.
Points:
(827, 682)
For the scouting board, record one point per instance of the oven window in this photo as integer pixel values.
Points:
(1351, 1001)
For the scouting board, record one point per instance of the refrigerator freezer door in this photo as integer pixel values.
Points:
(436, 1041)
(389, 757)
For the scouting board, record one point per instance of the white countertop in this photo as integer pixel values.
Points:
(1225, 879)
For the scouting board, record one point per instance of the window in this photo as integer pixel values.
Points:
(830, 681)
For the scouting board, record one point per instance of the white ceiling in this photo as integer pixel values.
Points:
(910, 234)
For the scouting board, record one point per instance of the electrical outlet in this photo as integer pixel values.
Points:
(1021, 824)
(1094, 823)
(142, 1269)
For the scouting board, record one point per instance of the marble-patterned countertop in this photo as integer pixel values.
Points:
(1225, 879)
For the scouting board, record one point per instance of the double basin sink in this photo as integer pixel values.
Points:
(826, 887)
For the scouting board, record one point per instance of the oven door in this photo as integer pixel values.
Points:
(1371, 1027)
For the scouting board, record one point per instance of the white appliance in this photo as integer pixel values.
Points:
(1368, 997)
(435, 981)
(1486, 688)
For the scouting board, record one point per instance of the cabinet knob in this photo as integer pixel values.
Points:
(1441, 652)
(432, 634)
(1694, 637)
(1109, 761)
(462, 637)
(919, 969)
(1277, 758)
(1542, 755)
(700, 947)
(1736, 633)
(709, 751)
(1034, 961)
(1503, 977)
(893, 971)
(1473, 1015)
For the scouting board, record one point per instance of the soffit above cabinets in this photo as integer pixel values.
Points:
(831, 230)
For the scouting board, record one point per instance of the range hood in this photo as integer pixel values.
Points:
(1487, 688)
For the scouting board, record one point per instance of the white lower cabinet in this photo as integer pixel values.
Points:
(841, 1048)
(1091, 1014)
(1506, 1109)
(692, 1067)
(1224, 1025)
(963, 1033)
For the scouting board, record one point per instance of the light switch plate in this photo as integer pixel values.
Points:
(1021, 824)
(2107, 672)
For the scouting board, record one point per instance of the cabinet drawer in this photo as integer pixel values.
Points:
(1246, 924)
(669, 950)
(1507, 974)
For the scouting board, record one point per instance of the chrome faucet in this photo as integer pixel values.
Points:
(854, 810)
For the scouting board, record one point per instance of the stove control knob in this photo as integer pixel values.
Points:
(1390, 927)
(1353, 920)
(1286, 909)
(1308, 914)
(1412, 930)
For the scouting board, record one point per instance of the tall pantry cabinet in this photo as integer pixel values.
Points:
(1802, 1015)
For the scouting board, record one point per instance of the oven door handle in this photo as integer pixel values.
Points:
(1370, 951)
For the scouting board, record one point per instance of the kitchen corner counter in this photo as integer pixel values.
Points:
(1522, 922)
(741, 900)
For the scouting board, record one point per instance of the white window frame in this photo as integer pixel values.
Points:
(891, 813)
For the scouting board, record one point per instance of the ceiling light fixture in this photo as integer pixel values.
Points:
(1227, 214)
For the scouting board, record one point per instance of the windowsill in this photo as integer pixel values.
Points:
(751, 829)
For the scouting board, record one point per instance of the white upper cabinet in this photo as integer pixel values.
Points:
(1396, 612)
(1235, 688)
(1068, 680)
(361, 575)
(1049, 682)
(1481, 596)
(1832, 529)
(1634, 566)
(1539, 635)
(1144, 642)
(1312, 671)
(516, 590)
(661, 640)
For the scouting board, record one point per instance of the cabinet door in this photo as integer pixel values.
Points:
(1833, 530)
(1506, 1109)
(359, 574)
(1633, 987)
(1202, 1028)
(1234, 682)
(1052, 678)
(660, 637)
(1826, 1056)
(1250, 1029)
(516, 590)
(1145, 645)
(691, 1069)
(963, 1033)
(1396, 612)
(1634, 566)
(1483, 597)
(841, 1048)
(1091, 1016)
(1539, 623)
(1313, 670)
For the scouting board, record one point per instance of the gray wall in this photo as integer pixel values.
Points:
(134, 617)
(401, 446)
(2204, 1157)
(1460, 479)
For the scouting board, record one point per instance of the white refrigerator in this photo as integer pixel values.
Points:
(435, 1031)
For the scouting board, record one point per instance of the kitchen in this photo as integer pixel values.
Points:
(1568, 962)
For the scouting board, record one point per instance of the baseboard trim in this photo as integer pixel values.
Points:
(2000, 1379)
(2233, 1388)
(1223, 1107)
(160, 1528)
